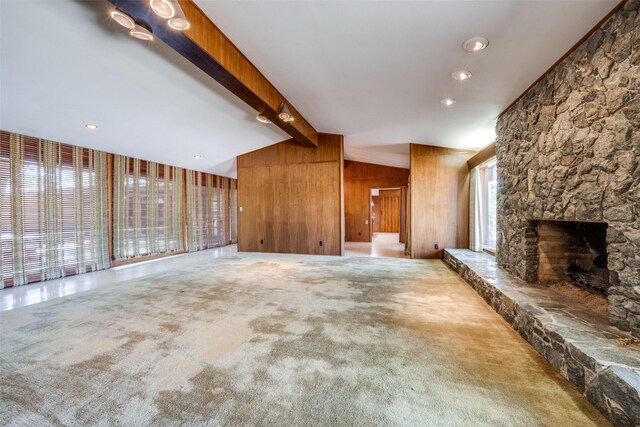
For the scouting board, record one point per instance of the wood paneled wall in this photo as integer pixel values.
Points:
(389, 211)
(359, 179)
(439, 200)
(291, 198)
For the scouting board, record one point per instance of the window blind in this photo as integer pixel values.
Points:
(147, 208)
(207, 210)
(53, 210)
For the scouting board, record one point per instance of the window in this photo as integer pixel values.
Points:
(147, 208)
(53, 210)
(489, 196)
(233, 212)
(207, 211)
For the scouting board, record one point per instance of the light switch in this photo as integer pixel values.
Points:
(366, 221)
(240, 208)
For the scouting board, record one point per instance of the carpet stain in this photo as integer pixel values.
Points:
(170, 327)
(263, 339)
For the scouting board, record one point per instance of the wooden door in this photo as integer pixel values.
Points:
(390, 207)
(376, 214)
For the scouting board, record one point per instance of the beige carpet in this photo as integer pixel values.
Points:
(279, 340)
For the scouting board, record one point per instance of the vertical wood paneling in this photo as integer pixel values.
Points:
(390, 211)
(403, 215)
(291, 198)
(439, 200)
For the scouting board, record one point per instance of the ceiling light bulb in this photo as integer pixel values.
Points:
(461, 75)
(475, 44)
(91, 126)
(179, 24)
(123, 19)
(141, 33)
(163, 8)
(285, 114)
(448, 101)
(197, 156)
(262, 118)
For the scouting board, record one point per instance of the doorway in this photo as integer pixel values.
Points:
(385, 211)
(388, 214)
(387, 225)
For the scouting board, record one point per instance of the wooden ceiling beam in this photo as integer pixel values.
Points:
(210, 50)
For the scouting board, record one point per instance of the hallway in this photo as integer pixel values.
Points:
(383, 245)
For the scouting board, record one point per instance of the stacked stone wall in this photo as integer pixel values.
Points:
(570, 150)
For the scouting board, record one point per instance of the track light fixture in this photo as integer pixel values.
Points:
(262, 118)
(141, 32)
(163, 8)
(179, 21)
(285, 114)
(170, 10)
(123, 19)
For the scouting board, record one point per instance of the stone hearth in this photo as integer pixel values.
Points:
(569, 150)
(598, 359)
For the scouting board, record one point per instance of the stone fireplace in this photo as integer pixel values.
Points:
(574, 252)
(568, 152)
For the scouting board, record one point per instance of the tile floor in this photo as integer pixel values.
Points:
(383, 245)
(34, 293)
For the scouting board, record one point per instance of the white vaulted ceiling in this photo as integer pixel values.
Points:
(66, 63)
(373, 71)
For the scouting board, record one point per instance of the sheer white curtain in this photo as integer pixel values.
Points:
(147, 208)
(207, 213)
(475, 211)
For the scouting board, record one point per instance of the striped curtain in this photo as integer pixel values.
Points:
(207, 211)
(53, 210)
(233, 211)
(147, 208)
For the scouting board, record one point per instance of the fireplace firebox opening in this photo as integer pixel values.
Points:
(575, 252)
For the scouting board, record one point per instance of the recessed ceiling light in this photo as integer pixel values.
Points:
(141, 33)
(475, 44)
(461, 75)
(197, 156)
(91, 126)
(163, 8)
(448, 101)
(123, 19)
(262, 118)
